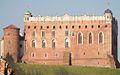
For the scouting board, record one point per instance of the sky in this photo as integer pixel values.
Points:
(12, 11)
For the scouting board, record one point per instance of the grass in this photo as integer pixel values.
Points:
(33, 69)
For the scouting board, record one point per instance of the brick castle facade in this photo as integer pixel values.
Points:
(64, 40)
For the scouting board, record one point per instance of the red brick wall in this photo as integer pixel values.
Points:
(91, 51)
(11, 42)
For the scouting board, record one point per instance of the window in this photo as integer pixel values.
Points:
(47, 27)
(80, 38)
(53, 43)
(46, 55)
(67, 43)
(43, 33)
(73, 34)
(53, 34)
(98, 53)
(56, 55)
(84, 53)
(33, 43)
(34, 27)
(105, 26)
(32, 55)
(72, 27)
(90, 38)
(33, 34)
(85, 26)
(43, 43)
(101, 37)
(60, 27)
(28, 27)
(66, 27)
(66, 33)
(98, 26)
(41, 27)
(92, 26)
(53, 27)
(79, 27)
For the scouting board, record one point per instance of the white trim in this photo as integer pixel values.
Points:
(68, 32)
(92, 37)
(45, 43)
(68, 41)
(82, 38)
(33, 40)
(52, 42)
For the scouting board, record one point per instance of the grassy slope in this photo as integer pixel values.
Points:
(32, 69)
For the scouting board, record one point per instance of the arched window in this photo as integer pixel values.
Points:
(33, 43)
(67, 43)
(101, 37)
(33, 34)
(90, 38)
(80, 38)
(43, 43)
(53, 43)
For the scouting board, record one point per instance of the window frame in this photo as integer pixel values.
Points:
(102, 37)
(89, 38)
(78, 38)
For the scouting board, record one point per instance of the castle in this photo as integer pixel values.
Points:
(63, 40)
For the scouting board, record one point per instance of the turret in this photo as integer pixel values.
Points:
(11, 43)
(27, 15)
(108, 14)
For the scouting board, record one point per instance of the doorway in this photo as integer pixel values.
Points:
(70, 58)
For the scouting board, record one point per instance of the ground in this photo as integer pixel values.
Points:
(36, 69)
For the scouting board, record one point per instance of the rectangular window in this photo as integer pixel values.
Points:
(43, 33)
(66, 33)
(33, 34)
(53, 34)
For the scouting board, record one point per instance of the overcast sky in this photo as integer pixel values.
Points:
(12, 11)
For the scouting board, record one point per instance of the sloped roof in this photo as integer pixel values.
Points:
(11, 27)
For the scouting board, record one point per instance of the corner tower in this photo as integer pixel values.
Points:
(108, 14)
(27, 15)
(11, 42)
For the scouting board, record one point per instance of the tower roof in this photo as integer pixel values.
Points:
(11, 27)
(108, 11)
(27, 12)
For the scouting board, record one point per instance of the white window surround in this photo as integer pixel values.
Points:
(33, 43)
(43, 41)
(78, 37)
(92, 38)
(67, 40)
(102, 38)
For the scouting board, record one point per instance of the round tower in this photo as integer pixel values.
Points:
(108, 14)
(11, 42)
(27, 15)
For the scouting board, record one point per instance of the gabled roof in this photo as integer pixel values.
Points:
(11, 27)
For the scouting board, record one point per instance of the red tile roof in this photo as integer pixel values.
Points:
(11, 27)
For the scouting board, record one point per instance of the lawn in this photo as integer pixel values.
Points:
(34, 69)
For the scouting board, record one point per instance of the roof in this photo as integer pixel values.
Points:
(108, 11)
(27, 12)
(11, 27)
